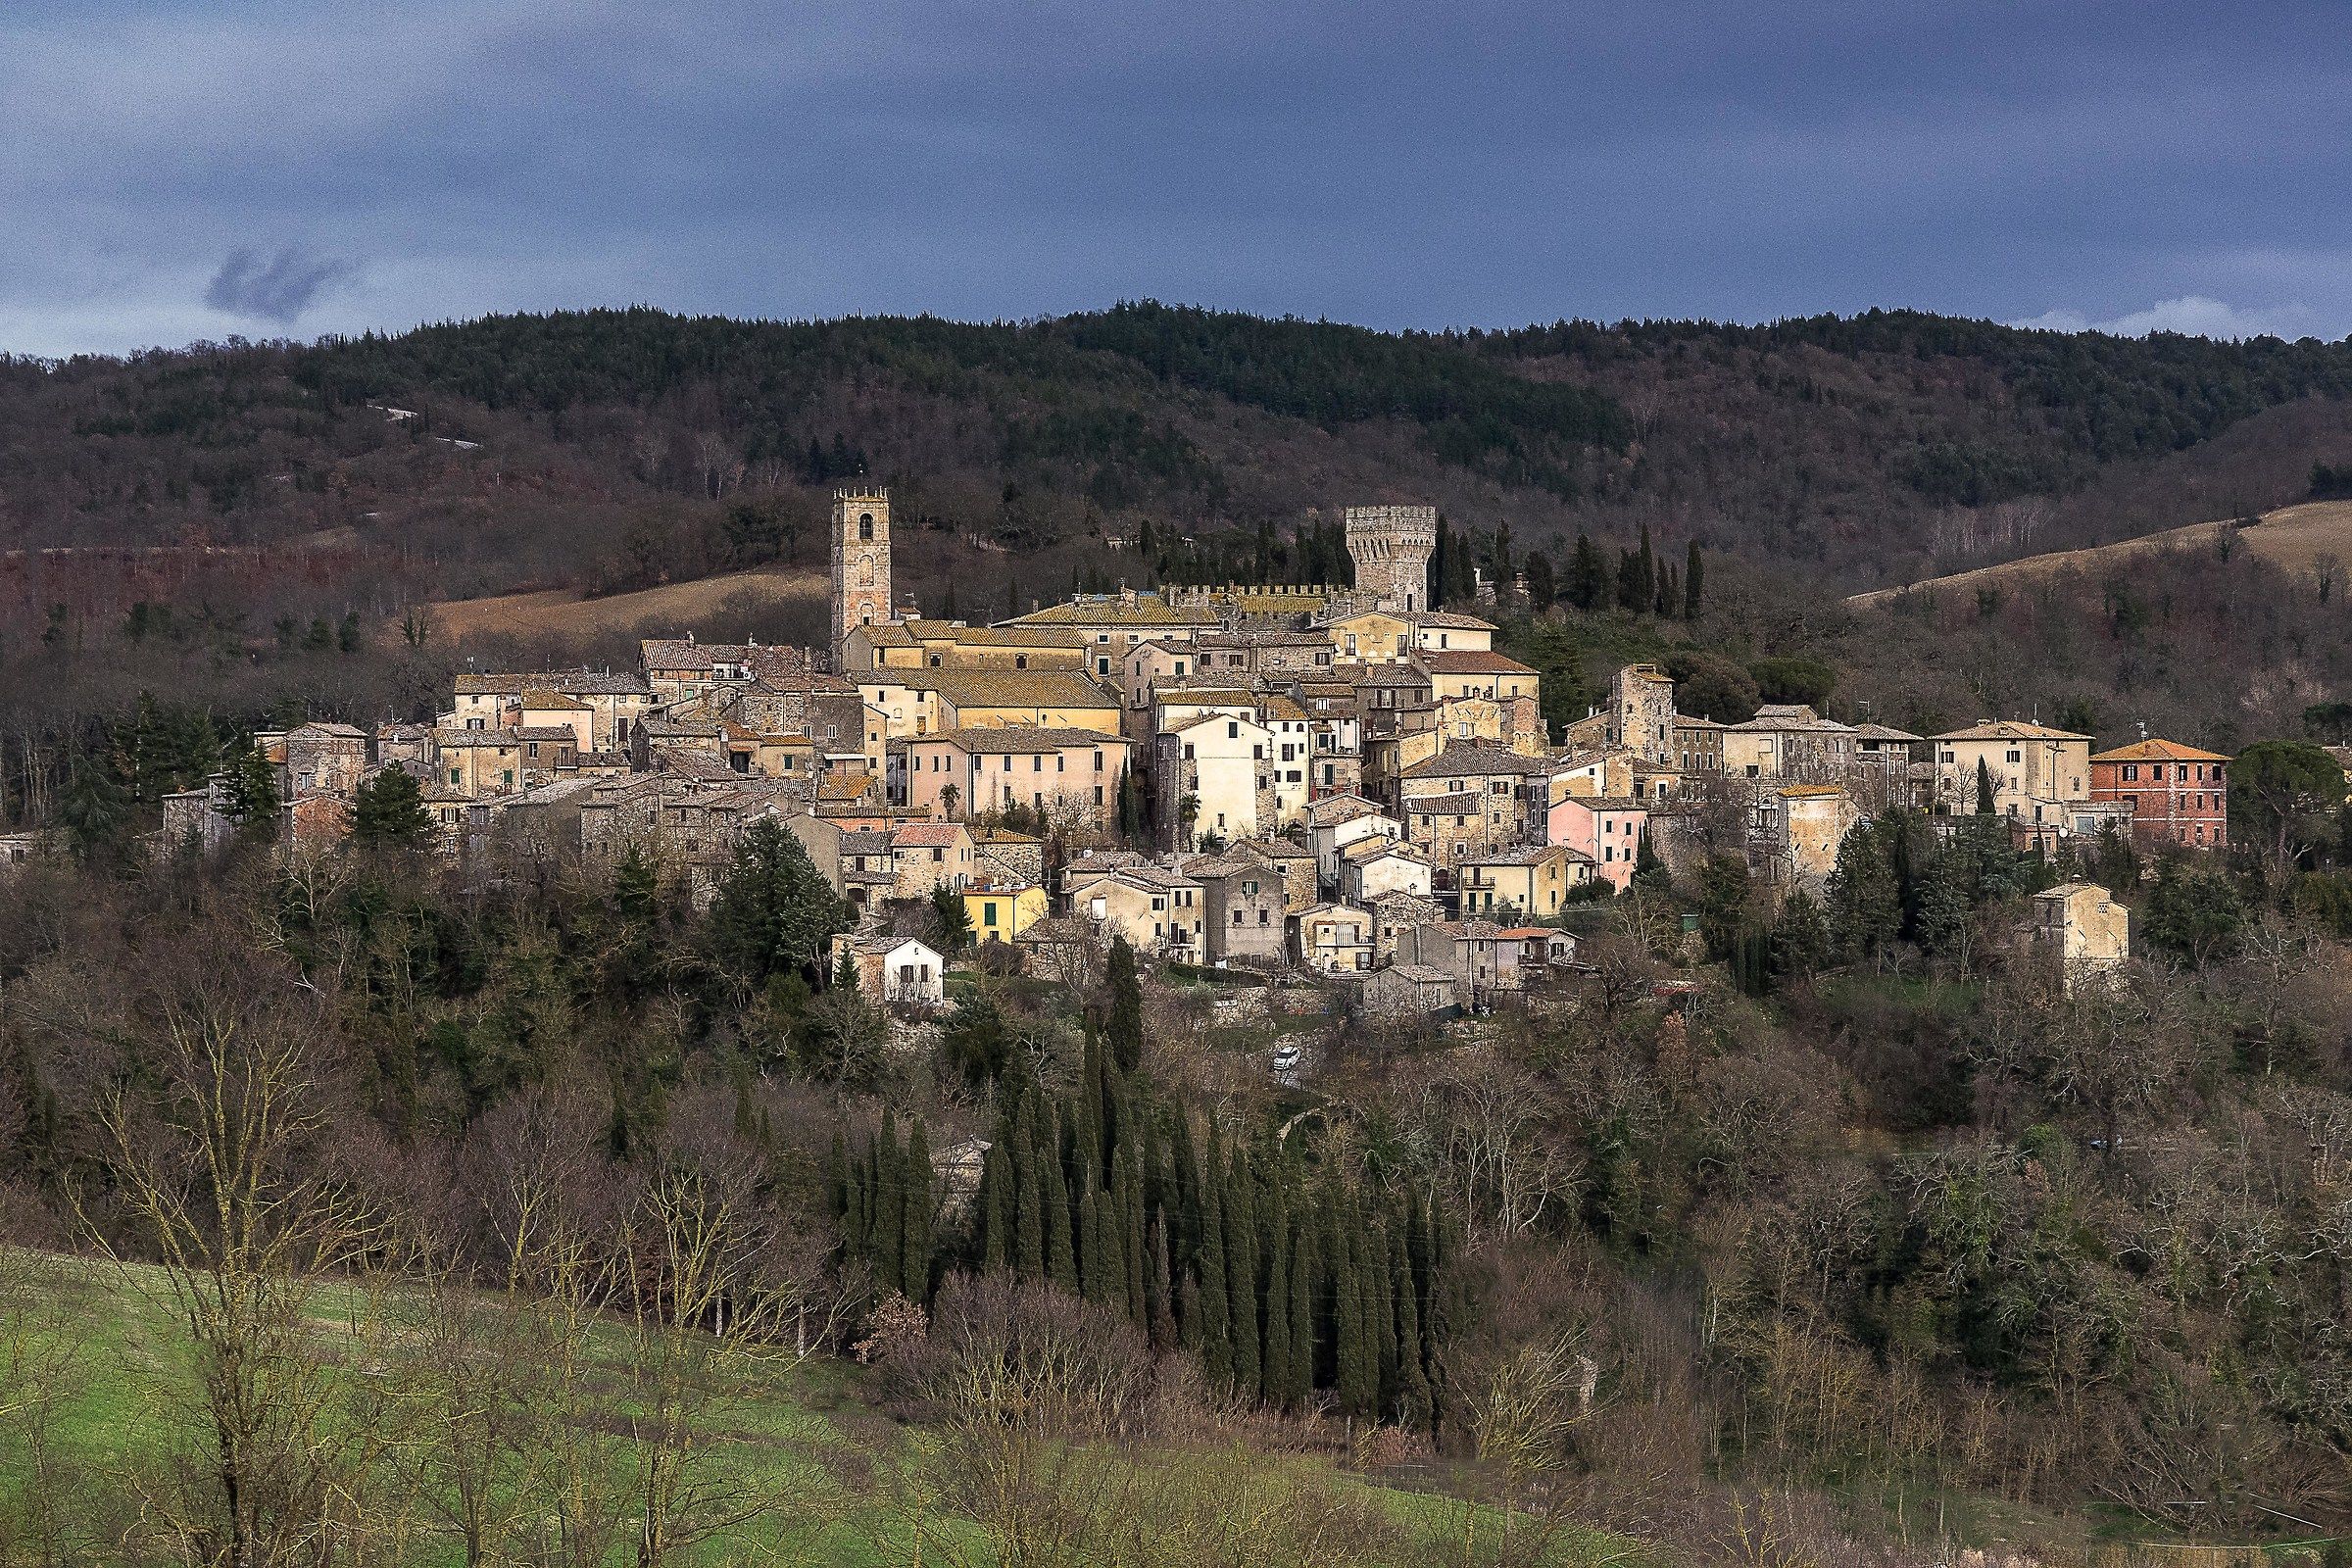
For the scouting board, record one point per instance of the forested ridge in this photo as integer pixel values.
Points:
(1862, 448)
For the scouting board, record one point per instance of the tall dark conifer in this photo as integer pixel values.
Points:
(1241, 1279)
(916, 1237)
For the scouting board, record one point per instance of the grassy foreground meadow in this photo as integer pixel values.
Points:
(106, 1444)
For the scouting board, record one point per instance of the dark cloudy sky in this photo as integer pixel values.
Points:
(174, 170)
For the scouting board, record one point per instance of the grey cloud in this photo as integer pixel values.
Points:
(276, 289)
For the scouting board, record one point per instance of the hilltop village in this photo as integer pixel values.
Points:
(1347, 784)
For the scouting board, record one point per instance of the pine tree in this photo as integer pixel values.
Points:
(1542, 588)
(1631, 592)
(253, 799)
(774, 911)
(1588, 576)
(388, 812)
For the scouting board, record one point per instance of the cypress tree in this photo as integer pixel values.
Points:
(1029, 1198)
(1412, 1381)
(1649, 569)
(1984, 788)
(1215, 1305)
(837, 1178)
(1358, 1362)
(1128, 1187)
(997, 1206)
(1379, 1315)
(1275, 1374)
(889, 1211)
(1093, 1279)
(1694, 575)
(1062, 1256)
(1126, 1022)
(1300, 1378)
(1240, 1280)
(1159, 1310)
(916, 1240)
(1588, 578)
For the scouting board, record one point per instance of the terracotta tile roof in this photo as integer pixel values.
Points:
(1452, 802)
(1147, 610)
(1448, 620)
(1602, 802)
(1019, 738)
(1474, 761)
(1469, 662)
(927, 835)
(2008, 729)
(2158, 751)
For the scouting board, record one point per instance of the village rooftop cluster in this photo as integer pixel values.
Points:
(1346, 783)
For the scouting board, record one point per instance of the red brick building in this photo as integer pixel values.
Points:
(2179, 795)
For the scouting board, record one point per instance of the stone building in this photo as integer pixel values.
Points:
(1404, 991)
(860, 562)
(1391, 547)
(2080, 927)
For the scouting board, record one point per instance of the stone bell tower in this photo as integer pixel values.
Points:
(861, 560)
(1391, 547)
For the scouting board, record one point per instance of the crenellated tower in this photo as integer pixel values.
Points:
(1391, 547)
(861, 561)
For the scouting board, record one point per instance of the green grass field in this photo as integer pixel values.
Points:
(853, 1486)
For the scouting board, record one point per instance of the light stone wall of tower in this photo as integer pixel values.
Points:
(860, 562)
(1391, 547)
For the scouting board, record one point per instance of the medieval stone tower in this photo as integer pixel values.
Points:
(1391, 547)
(861, 560)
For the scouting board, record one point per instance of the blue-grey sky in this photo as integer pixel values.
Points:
(176, 169)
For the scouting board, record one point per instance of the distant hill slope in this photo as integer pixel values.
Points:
(2296, 538)
(614, 450)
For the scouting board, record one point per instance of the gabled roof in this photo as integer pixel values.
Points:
(1146, 609)
(1363, 849)
(1469, 662)
(1602, 802)
(1451, 803)
(1447, 619)
(2158, 751)
(1020, 738)
(1420, 974)
(2008, 729)
(1475, 760)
